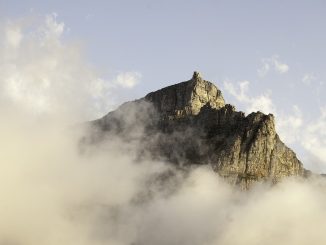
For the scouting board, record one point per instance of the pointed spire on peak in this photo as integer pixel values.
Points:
(186, 98)
(196, 76)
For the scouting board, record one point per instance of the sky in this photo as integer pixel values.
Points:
(263, 55)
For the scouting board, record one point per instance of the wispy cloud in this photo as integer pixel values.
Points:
(314, 136)
(293, 127)
(261, 103)
(272, 64)
(127, 79)
(308, 78)
(290, 124)
(12, 35)
(37, 62)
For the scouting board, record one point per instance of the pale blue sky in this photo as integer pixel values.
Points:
(227, 41)
(167, 40)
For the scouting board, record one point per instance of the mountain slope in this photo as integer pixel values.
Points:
(189, 123)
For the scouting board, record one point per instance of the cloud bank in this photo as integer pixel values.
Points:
(54, 193)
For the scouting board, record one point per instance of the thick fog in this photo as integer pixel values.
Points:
(54, 193)
(55, 190)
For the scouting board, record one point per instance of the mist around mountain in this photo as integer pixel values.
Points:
(58, 190)
(55, 189)
(189, 123)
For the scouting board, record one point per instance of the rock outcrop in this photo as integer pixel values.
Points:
(186, 98)
(189, 123)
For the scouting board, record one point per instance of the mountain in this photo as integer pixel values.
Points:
(189, 124)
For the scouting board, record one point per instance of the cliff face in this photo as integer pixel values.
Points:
(189, 123)
(186, 98)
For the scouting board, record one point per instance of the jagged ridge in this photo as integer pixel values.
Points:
(186, 98)
(189, 123)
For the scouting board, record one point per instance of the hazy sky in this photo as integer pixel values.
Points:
(263, 55)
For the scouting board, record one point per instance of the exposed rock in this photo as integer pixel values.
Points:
(186, 98)
(189, 123)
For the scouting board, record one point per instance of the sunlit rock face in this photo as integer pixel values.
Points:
(189, 124)
(186, 98)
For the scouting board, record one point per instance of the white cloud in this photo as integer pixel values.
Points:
(281, 67)
(272, 63)
(53, 194)
(308, 78)
(261, 103)
(293, 127)
(128, 79)
(45, 75)
(13, 35)
(314, 136)
(240, 93)
(290, 125)
(52, 27)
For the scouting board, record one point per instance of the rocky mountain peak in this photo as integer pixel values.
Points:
(197, 76)
(186, 98)
(189, 124)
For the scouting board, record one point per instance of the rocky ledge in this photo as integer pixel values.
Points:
(189, 124)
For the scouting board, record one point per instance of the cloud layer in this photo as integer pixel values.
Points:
(52, 192)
